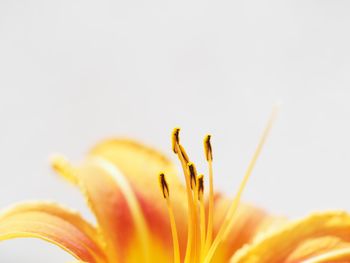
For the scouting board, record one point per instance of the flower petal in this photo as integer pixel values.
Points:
(55, 224)
(340, 255)
(141, 165)
(316, 235)
(123, 211)
(249, 221)
(310, 248)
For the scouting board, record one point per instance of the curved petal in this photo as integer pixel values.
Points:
(340, 255)
(120, 182)
(249, 221)
(141, 166)
(55, 224)
(310, 248)
(314, 236)
(140, 163)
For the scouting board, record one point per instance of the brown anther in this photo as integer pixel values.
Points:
(193, 175)
(164, 185)
(200, 186)
(207, 148)
(175, 140)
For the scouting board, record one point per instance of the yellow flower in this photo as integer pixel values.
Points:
(138, 223)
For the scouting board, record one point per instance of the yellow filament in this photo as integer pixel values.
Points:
(193, 183)
(202, 226)
(174, 232)
(338, 255)
(211, 208)
(228, 222)
(196, 229)
(200, 187)
(165, 190)
(192, 254)
(209, 156)
(191, 217)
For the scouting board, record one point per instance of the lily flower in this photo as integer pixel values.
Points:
(137, 222)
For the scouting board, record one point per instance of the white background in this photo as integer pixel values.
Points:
(74, 72)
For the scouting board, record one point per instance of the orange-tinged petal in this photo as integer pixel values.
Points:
(124, 214)
(141, 165)
(249, 221)
(55, 224)
(315, 236)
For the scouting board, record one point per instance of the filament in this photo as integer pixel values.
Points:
(209, 157)
(200, 190)
(183, 157)
(166, 195)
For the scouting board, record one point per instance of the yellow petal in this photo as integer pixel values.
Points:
(314, 236)
(55, 224)
(140, 163)
(340, 255)
(315, 246)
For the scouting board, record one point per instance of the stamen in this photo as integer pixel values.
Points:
(209, 156)
(193, 175)
(207, 148)
(228, 222)
(200, 190)
(183, 157)
(184, 154)
(175, 139)
(163, 185)
(165, 190)
(193, 183)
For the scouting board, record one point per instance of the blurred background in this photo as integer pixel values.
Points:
(74, 72)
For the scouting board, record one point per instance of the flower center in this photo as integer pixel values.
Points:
(201, 246)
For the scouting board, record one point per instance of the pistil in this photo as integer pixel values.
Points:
(229, 218)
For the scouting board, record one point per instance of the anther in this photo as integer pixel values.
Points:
(175, 140)
(164, 185)
(193, 175)
(200, 186)
(207, 148)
